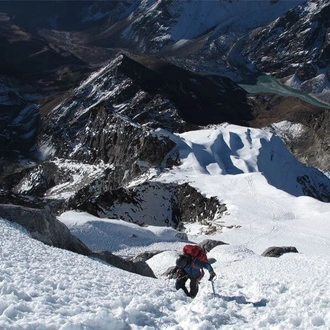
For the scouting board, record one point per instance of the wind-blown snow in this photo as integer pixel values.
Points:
(43, 287)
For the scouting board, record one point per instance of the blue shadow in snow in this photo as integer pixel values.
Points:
(242, 300)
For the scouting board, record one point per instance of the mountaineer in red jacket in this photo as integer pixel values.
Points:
(192, 269)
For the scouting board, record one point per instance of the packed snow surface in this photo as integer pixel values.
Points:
(44, 287)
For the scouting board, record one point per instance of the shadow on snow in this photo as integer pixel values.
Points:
(242, 300)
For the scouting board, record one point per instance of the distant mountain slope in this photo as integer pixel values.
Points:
(153, 25)
(95, 30)
(90, 143)
(103, 131)
(27, 55)
(296, 48)
(146, 91)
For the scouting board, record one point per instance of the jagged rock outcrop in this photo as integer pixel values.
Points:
(194, 207)
(115, 158)
(148, 91)
(277, 251)
(153, 203)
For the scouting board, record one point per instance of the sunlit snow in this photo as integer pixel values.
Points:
(43, 287)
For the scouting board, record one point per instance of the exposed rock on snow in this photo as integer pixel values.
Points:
(154, 203)
(277, 251)
(209, 244)
(44, 227)
(137, 267)
(145, 256)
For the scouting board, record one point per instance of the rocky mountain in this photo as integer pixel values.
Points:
(91, 109)
(193, 33)
(106, 132)
(295, 48)
(101, 146)
(198, 35)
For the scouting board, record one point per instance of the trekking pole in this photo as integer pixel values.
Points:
(211, 279)
(212, 284)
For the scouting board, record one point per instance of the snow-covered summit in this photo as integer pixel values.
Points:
(231, 150)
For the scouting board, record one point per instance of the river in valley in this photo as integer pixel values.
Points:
(268, 84)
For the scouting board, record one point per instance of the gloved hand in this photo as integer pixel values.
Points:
(212, 275)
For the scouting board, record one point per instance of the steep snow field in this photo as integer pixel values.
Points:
(47, 288)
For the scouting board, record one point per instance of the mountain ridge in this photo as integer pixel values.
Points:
(104, 127)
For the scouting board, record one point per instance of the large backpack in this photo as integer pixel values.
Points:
(196, 252)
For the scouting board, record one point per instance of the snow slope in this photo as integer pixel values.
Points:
(47, 288)
(169, 25)
(196, 17)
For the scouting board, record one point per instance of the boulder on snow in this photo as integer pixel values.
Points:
(43, 226)
(182, 236)
(277, 251)
(209, 244)
(139, 267)
(144, 256)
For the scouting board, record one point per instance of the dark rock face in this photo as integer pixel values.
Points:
(149, 203)
(44, 227)
(200, 99)
(33, 60)
(194, 207)
(276, 251)
(19, 117)
(147, 91)
(106, 160)
(154, 203)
